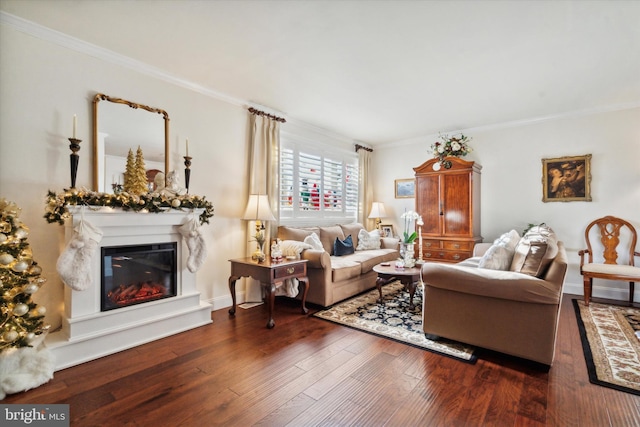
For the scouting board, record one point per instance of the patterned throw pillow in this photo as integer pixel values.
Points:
(343, 247)
(314, 241)
(500, 255)
(368, 240)
(535, 251)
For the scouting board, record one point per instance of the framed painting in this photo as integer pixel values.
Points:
(405, 188)
(566, 179)
(386, 230)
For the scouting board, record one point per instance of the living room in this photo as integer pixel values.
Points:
(49, 76)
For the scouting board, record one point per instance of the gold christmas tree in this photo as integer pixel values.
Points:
(129, 173)
(142, 186)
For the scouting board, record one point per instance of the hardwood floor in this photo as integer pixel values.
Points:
(308, 371)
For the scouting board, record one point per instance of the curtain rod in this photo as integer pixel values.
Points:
(358, 146)
(262, 113)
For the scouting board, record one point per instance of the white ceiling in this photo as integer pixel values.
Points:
(377, 71)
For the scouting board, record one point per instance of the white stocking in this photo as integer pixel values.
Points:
(195, 243)
(74, 264)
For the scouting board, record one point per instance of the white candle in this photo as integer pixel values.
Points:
(187, 147)
(75, 125)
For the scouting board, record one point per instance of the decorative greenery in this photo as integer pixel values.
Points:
(409, 218)
(56, 209)
(530, 226)
(451, 146)
(21, 319)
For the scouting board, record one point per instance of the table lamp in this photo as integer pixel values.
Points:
(377, 212)
(258, 210)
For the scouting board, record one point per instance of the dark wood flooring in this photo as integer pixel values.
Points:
(310, 372)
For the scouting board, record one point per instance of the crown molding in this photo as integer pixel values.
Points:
(75, 44)
(516, 123)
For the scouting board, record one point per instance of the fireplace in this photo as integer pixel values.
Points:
(150, 249)
(137, 274)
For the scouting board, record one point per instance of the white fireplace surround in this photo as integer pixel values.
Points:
(88, 333)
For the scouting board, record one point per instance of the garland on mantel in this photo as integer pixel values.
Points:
(56, 209)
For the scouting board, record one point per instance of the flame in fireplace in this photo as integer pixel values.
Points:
(136, 292)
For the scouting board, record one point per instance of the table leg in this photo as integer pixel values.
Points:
(271, 299)
(305, 281)
(232, 289)
(380, 282)
(411, 286)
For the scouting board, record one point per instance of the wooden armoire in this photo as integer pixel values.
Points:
(449, 202)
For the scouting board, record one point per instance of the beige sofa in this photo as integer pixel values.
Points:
(506, 311)
(335, 278)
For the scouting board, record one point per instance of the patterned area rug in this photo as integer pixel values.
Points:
(394, 320)
(611, 342)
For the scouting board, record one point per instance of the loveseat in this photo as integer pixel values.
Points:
(511, 308)
(333, 278)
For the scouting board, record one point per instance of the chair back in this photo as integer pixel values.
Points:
(610, 229)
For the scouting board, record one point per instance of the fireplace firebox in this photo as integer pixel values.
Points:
(137, 274)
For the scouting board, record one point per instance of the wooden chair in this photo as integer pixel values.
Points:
(609, 232)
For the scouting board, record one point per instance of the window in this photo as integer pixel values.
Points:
(317, 184)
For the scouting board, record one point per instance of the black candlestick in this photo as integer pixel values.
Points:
(74, 159)
(187, 172)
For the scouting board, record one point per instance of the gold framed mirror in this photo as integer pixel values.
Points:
(120, 125)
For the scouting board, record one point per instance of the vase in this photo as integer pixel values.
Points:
(407, 254)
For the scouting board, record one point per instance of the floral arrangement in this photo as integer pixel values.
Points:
(410, 217)
(56, 209)
(451, 146)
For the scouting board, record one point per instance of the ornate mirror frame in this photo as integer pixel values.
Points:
(96, 155)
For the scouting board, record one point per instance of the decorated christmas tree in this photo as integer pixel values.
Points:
(23, 365)
(21, 320)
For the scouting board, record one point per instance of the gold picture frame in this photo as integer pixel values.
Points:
(566, 179)
(386, 230)
(405, 188)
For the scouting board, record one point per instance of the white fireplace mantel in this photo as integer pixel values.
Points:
(88, 333)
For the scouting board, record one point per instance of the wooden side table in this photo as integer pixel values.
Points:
(269, 274)
(409, 277)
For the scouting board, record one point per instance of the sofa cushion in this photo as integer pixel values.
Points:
(535, 251)
(293, 247)
(500, 255)
(371, 258)
(343, 247)
(314, 241)
(328, 237)
(368, 240)
(343, 268)
(295, 233)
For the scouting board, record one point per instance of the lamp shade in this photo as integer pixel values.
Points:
(258, 208)
(377, 210)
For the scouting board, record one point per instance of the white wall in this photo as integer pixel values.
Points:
(43, 85)
(512, 178)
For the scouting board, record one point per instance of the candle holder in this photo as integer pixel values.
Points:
(187, 172)
(74, 159)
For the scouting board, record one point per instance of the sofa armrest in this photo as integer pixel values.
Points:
(317, 258)
(389, 243)
(480, 248)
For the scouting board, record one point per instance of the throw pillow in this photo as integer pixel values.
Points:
(535, 251)
(343, 247)
(293, 247)
(500, 255)
(368, 240)
(314, 241)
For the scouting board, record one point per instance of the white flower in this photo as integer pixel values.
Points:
(455, 146)
(441, 149)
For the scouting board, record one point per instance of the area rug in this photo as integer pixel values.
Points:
(610, 337)
(393, 320)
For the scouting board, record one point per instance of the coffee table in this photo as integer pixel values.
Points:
(387, 273)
